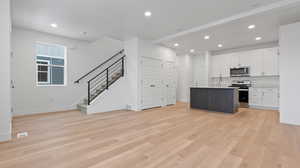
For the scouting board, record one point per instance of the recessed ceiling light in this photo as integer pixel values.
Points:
(251, 26)
(148, 14)
(176, 44)
(206, 37)
(258, 38)
(54, 25)
(192, 50)
(220, 45)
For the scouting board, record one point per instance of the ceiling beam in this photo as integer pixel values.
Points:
(255, 11)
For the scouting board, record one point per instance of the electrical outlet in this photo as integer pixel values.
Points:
(22, 135)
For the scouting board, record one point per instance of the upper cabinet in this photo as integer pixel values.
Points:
(262, 62)
(256, 62)
(270, 62)
(234, 60)
(220, 66)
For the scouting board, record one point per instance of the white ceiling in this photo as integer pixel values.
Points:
(235, 33)
(123, 19)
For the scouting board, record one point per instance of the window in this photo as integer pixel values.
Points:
(51, 64)
(43, 71)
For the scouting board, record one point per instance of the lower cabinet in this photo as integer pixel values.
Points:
(265, 98)
(214, 99)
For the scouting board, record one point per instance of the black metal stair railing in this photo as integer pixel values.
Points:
(100, 66)
(105, 79)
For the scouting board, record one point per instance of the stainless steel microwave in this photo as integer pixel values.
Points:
(240, 72)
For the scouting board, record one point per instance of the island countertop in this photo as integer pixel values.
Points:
(215, 88)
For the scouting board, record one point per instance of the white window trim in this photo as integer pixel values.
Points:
(65, 64)
(37, 72)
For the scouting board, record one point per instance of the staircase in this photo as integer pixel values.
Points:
(100, 82)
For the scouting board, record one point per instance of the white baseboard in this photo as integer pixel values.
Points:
(183, 100)
(5, 137)
(263, 107)
(289, 122)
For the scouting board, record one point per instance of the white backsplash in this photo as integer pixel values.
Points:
(258, 82)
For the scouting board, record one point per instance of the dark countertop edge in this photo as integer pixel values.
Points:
(231, 88)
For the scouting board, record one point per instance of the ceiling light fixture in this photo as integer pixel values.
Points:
(251, 26)
(54, 25)
(176, 44)
(192, 50)
(258, 38)
(206, 37)
(220, 45)
(148, 14)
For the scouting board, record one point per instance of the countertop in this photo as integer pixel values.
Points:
(231, 88)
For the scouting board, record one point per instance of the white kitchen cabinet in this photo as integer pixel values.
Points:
(234, 60)
(256, 65)
(224, 66)
(264, 98)
(262, 62)
(245, 59)
(270, 97)
(215, 68)
(270, 62)
(254, 97)
(220, 66)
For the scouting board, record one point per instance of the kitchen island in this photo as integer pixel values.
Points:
(215, 99)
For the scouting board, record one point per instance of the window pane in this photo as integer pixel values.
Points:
(51, 50)
(56, 61)
(42, 68)
(39, 58)
(60, 51)
(42, 62)
(57, 75)
(42, 77)
(42, 49)
(52, 56)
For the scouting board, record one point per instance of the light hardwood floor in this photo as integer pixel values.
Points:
(170, 137)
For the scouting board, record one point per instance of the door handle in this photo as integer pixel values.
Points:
(152, 85)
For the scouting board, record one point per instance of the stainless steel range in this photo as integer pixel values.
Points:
(243, 86)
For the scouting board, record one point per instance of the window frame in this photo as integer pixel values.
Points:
(48, 71)
(41, 84)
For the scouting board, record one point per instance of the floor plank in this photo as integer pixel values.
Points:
(168, 137)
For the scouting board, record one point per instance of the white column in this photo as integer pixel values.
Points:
(132, 73)
(289, 61)
(5, 93)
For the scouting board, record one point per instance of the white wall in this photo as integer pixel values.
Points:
(289, 60)
(136, 49)
(5, 98)
(200, 68)
(132, 73)
(185, 77)
(115, 98)
(124, 93)
(149, 50)
(164, 55)
(81, 58)
(193, 71)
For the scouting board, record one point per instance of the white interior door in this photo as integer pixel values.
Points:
(151, 83)
(170, 83)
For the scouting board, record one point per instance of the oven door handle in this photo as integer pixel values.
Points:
(243, 89)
